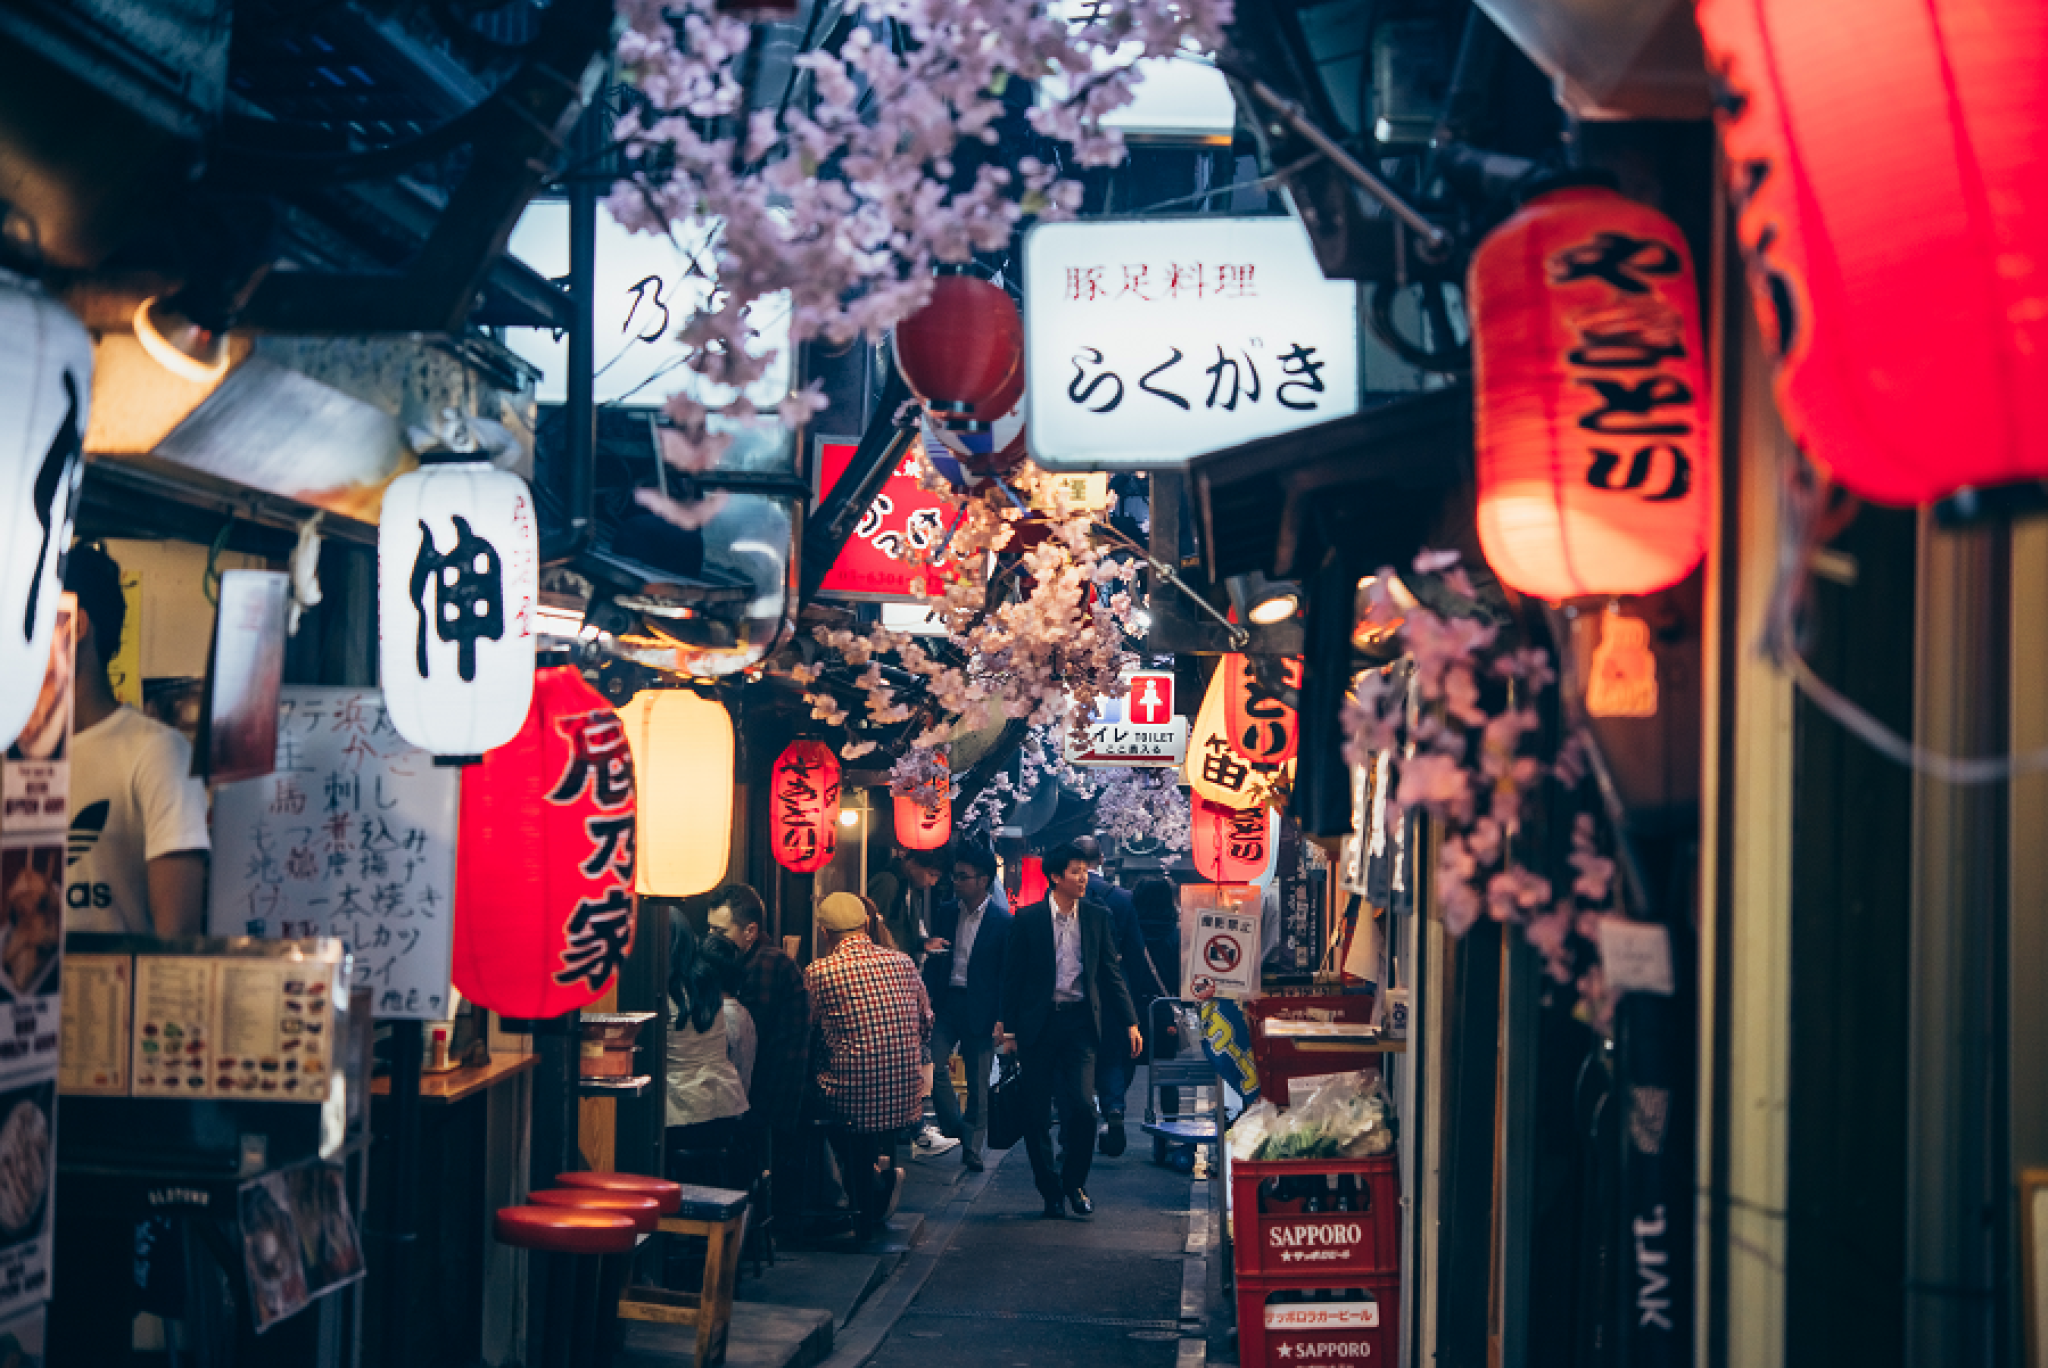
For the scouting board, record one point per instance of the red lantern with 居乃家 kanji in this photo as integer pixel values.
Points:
(1592, 427)
(1885, 160)
(544, 908)
(803, 801)
(1262, 729)
(1231, 845)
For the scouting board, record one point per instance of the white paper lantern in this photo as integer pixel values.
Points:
(458, 579)
(45, 386)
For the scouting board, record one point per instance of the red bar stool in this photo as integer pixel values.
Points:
(645, 1213)
(574, 1241)
(719, 1216)
(669, 1195)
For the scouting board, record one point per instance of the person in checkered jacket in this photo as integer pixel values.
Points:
(872, 1038)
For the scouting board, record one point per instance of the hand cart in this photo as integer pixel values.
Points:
(1192, 1122)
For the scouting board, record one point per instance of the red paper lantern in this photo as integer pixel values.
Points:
(1593, 425)
(1886, 159)
(1232, 845)
(544, 911)
(1264, 731)
(804, 802)
(1032, 886)
(959, 351)
(921, 827)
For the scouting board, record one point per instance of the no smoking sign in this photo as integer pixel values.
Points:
(1222, 955)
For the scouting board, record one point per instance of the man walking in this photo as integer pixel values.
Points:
(1114, 1070)
(1063, 995)
(874, 1033)
(771, 988)
(963, 972)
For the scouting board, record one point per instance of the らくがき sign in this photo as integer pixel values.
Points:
(1148, 346)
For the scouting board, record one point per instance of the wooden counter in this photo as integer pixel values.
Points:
(453, 1087)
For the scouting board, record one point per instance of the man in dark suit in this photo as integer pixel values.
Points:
(1063, 995)
(1113, 1071)
(963, 974)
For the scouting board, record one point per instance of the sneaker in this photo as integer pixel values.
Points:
(931, 1140)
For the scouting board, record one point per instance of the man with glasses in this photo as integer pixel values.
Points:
(963, 973)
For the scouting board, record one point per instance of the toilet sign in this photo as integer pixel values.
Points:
(1140, 729)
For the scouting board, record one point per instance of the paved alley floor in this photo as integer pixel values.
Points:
(1008, 1289)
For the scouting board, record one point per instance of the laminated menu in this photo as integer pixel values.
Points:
(260, 1028)
(96, 1036)
(173, 1025)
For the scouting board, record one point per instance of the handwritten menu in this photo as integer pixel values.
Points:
(352, 836)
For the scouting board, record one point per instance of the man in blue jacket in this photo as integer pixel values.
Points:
(963, 973)
(1115, 1069)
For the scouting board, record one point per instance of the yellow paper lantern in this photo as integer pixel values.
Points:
(683, 755)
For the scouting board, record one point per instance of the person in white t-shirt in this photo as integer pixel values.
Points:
(139, 845)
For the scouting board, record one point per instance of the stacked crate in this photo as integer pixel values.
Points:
(1317, 1287)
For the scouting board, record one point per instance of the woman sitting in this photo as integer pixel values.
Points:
(706, 1093)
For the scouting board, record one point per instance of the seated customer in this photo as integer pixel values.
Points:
(706, 1097)
(724, 958)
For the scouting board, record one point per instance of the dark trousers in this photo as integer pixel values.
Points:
(1061, 1064)
(858, 1153)
(976, 1047)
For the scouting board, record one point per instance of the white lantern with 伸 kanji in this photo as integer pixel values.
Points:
(458, 579)
(45, 385)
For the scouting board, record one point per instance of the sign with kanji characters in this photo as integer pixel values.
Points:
(353, 835)
(1149, 345)
(1216, 769)
(1139, 730)
(1220, 942)
(884, 558)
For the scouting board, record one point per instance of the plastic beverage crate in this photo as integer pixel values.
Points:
(1279, 1239)
(1323, 1322)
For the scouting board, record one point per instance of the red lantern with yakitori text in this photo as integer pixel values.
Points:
(959, 351)
(1593, 428)
(1262, 729)
(1886, 159)
(924, 819)
(803, 800)
(1232, 845)
(544, 910)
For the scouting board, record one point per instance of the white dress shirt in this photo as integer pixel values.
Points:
(1066, 951)
(963, 941)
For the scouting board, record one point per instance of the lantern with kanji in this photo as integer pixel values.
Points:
(961, 349)
(1911, 339)
(1593, 422)
(1233, 845)
(683, 753)
(1262, 728)
(924, 816)
(544, 911)
(458, 580)
(1216, 770)
(45, 385)
(803, 802)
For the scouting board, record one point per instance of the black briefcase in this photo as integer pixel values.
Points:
(1006, 1107)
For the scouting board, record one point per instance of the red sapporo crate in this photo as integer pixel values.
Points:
(1319, 1334)
(1281, 1060)
(1283, 1241)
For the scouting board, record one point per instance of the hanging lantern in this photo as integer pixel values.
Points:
(959, 351)
(1911, 341)
(922, 824)
(458, 579)
(1234, 845)
(1032, 886)
(683, 753)
(1593, 428)
(1622, 679)
(1264, 731)
(1215, 770)
(544, 911)
(803, 801)
(45, 386)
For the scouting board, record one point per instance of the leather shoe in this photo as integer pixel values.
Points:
(1113, 1141)
(1079, 1201)
(973, 1162)
(1054, 1211)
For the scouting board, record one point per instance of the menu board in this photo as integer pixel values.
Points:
(222, 1026)
(97, 1044)
(352, 836)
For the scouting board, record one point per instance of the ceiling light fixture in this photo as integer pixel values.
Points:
(181, 346)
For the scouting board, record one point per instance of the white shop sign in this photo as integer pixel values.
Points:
(1176, 99)
(647, 286)
(1150, 342)
(1140, 730)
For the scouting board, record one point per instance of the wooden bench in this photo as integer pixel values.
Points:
(719, 1215)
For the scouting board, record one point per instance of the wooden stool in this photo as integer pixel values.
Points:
(716, 1214)
(574, 1242)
